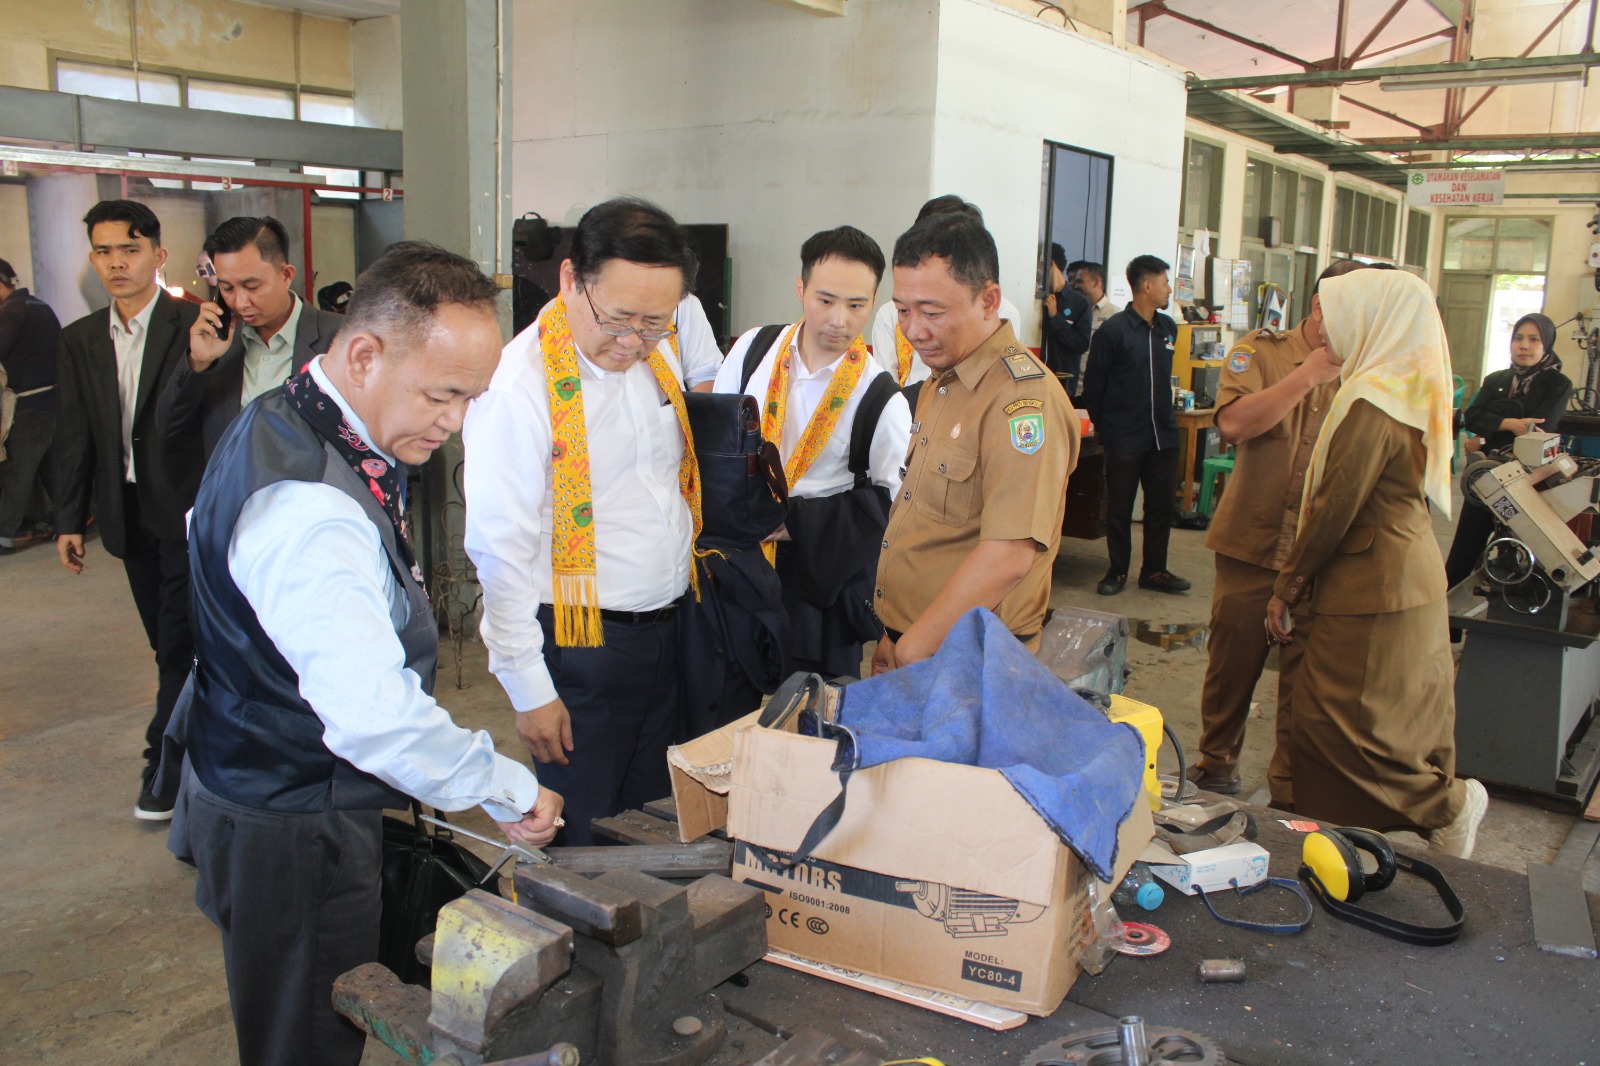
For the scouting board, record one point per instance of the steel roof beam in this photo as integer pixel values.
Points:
(1342, 77)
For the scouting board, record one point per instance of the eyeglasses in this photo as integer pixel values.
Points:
(611, 329)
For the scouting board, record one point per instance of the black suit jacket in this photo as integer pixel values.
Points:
(88, 445)
(208, 400)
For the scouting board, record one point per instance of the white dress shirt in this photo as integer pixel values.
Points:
(642, 527)
(830, 473)
(697, 343)
(1102, 311)
(268, 364)
(883, 347)
(129, 343)
(313, 567)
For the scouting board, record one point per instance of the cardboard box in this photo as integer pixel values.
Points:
(701, 770)
(937, 875)
(1215, 869)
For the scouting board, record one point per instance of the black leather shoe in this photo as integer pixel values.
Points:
(1164, 581)
(1112, 583)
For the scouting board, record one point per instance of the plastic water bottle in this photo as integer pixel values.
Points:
(1139, 889)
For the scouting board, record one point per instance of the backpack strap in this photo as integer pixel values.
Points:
(758, 351)
(865, 426)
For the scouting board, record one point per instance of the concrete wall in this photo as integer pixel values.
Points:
(375, 72)
(773, 120)
(1003, 91)
(333, 242)
(15, 241)
(220, 37)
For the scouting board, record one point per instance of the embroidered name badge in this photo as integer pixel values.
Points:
(1239, 358)
(1014, 407)
(1027, 432)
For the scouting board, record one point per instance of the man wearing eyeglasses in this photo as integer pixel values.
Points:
(582, 505)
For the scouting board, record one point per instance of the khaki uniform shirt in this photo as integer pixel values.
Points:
(1256, 518)
(1367, 546)
(992, 442)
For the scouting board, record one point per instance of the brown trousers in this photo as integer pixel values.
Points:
(1238, 647)
(1373, 735)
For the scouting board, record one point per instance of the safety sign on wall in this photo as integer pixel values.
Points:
(1455, 188)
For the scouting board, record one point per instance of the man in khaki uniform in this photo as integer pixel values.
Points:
(1275, 390)
(977, 522)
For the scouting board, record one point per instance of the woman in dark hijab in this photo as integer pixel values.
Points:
(1527, 396)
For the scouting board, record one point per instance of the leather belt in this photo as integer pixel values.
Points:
(634, 618)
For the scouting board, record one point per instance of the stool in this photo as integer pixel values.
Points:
(1217, 464)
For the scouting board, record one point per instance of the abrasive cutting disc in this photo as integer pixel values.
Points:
(1141, 938)
(1104, 1048)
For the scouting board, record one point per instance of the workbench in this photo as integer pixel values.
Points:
(1332, 994)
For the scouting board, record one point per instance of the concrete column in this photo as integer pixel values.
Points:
(457, 194)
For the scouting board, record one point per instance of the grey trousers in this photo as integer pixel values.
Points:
(297, 899)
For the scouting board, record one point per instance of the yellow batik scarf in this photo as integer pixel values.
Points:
(902, 353)
(576, 590)
(823, 420)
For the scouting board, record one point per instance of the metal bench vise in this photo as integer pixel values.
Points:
(621, 967)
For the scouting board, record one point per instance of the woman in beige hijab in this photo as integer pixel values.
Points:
(1373, 732)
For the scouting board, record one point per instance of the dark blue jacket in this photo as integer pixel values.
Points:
(1127, 386)
(252, 738)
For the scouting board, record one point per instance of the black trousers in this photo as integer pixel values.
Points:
(158, 576)
(21, 472)
(623, 699)
(1126, 472)
(297, 899)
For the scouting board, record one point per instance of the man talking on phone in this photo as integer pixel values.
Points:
(253, 333)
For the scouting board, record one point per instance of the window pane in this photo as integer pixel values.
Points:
(241, 99)
(1257, 187)
(331, 176)
(1343, 210)
(1284, 195)
(1308, 212)
(1358, 223)
(324, 107)
(1391, 215)
(115, 83)
(1469, 244)
(1417, 231)
(1523, 247)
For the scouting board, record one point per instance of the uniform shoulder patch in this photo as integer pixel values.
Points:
(1027, 432)
(1239, 358)
(1021, 364)
(1017, 405)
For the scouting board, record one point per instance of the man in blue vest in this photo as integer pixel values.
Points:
(315, 646)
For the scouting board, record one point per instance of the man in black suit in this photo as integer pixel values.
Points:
(114, 364)
(273, 333)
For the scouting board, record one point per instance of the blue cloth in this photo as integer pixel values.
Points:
(984, 700)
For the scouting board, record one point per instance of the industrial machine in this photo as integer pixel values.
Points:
(1527, 689)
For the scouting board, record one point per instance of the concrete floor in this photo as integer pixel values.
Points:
(107, 960)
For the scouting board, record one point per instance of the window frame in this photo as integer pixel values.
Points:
(183, 74)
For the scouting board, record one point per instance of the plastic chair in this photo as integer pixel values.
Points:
(1209, 470)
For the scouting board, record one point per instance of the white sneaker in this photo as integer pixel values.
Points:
(1461, 835)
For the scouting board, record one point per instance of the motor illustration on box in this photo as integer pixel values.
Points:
(966, 914)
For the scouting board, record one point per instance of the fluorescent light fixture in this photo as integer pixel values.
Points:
(1475, 79)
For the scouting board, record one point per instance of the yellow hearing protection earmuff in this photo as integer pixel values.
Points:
(1331, 866)
(1334, 856)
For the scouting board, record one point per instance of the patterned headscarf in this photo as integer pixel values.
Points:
(1385, 326)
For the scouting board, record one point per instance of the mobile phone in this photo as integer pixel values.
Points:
(227, 312)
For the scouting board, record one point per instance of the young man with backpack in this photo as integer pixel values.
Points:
(841, 427)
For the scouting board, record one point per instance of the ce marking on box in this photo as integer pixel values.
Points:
(795, 920)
